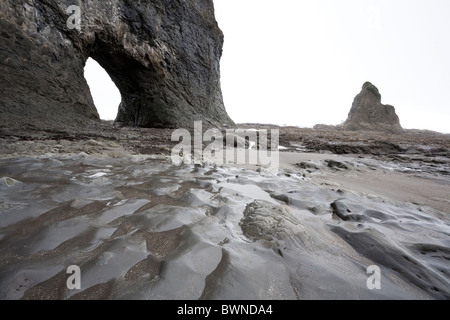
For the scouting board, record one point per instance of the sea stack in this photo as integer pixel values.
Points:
(369, 114)
(162, 55)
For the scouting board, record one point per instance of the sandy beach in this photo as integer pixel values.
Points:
(387, 181)
(140, 227)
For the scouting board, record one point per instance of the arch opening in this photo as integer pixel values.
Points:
(105, 93)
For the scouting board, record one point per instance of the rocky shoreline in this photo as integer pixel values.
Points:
(139, 227)
(421, 145)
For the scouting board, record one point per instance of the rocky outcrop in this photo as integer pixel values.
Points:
(369, 114)
(163, 56)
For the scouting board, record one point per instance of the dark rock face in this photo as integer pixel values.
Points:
(369, 114)
(163, 56)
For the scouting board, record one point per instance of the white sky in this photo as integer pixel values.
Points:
(301, 62)
(103, 90)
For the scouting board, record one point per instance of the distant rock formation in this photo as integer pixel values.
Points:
(163, 56)
(369, 114)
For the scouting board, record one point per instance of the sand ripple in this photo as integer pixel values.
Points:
(142, 228)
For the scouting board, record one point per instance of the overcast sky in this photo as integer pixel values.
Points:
(302, 62)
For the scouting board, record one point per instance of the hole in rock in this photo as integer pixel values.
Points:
(106, 96)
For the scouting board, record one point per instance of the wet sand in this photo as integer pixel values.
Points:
(366, 176)
(140, 227)
(373, 178)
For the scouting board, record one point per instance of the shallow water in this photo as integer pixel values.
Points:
(142, 228)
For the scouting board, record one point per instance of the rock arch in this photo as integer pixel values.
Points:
(163, 56)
